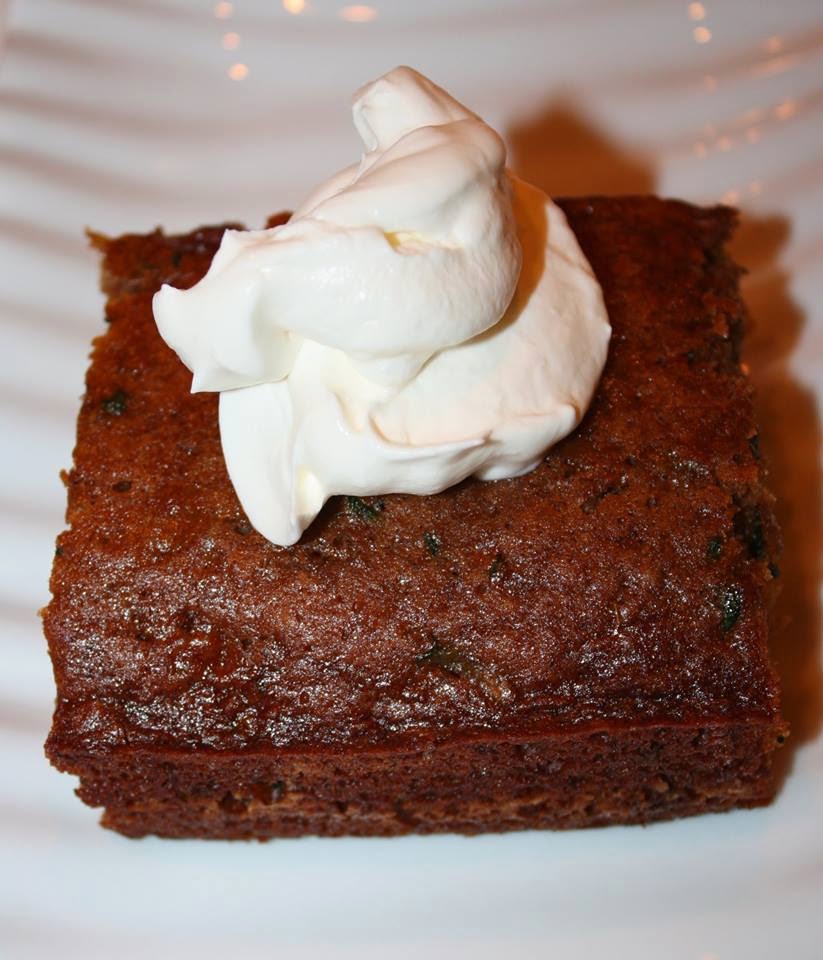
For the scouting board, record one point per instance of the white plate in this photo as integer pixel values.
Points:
(122, 115)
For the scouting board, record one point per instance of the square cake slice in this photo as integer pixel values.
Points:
(583, 645)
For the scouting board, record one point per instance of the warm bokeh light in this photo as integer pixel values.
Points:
(699, 149)
(697, 11)
(294, 7)
(238, 71)
(231, 41)
(702, 34)
(774, 44)
(756, 186)
(752, 134)
(775, 66)
(786, 109)
(725, 144)
(223, 10)
(709, 83)
(730, 196)
(358, 13)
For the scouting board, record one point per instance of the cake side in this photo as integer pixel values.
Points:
(622, 586)
(563, 782)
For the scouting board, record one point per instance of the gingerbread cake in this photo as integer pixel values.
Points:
(583, 645)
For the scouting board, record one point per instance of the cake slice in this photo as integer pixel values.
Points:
(580, 646)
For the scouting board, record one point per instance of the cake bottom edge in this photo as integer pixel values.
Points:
(177, 823)
(588, 780)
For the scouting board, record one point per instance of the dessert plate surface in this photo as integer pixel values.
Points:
(121, 116)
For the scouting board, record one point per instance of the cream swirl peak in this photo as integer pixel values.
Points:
(422, 317)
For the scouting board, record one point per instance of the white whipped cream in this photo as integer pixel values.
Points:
(424, 316)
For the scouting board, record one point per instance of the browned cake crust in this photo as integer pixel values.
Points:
(582, 645)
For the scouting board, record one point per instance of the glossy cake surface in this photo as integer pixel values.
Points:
(585, 644)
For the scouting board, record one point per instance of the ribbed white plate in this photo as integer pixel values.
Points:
(122, 114)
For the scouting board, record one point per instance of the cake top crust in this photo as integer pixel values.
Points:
(624, 581)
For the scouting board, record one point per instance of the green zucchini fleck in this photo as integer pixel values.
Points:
(447, 659)
(432, 542)
(361, 510)
(754, 446)
(498, 568)
(116, 404)
(731, 606)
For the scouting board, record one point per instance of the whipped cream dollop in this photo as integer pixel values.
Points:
(423, 316)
